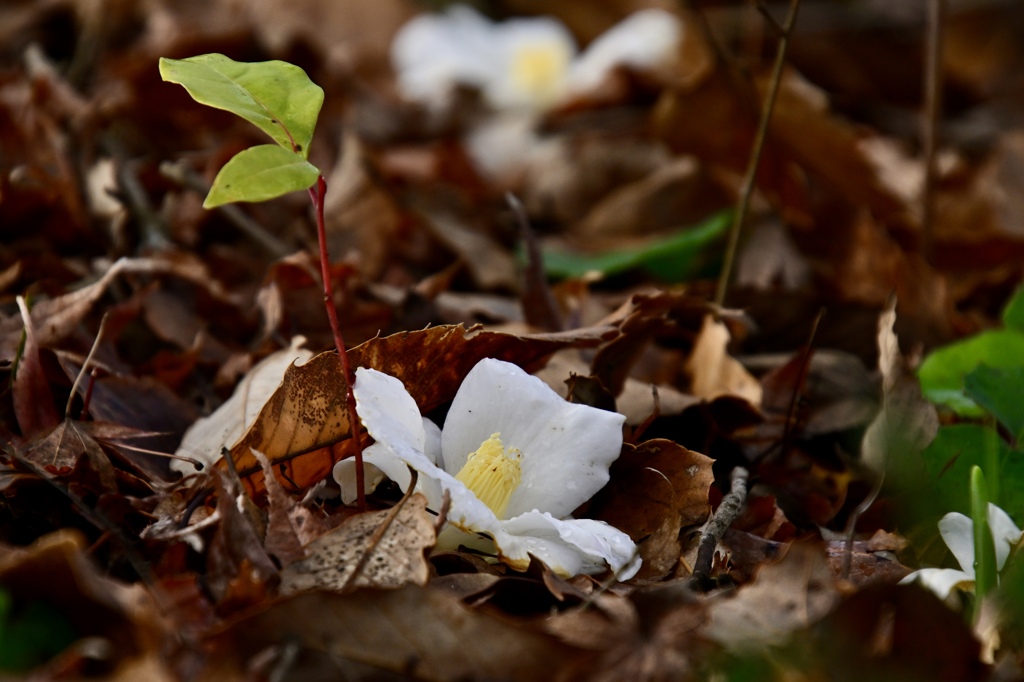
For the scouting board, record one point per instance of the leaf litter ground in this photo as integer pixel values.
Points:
(114, 564)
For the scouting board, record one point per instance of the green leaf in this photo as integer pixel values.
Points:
(672, 259)
(1013, 313)
(942, 373)
(998, 390)
(956, 449)
(261, 173)
(276, 97)
(985, 573)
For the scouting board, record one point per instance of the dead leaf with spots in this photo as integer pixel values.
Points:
(655, 490)
(383, 549)
(61, 452)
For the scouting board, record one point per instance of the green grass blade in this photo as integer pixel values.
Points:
(275, 96)
(985, 579)
(261, 173)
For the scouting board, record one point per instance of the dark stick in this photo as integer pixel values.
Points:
(930, 121)
(728, 511)
(755, 157)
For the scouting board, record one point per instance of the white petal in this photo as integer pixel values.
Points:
(941, 581)
(568, 546)
(1005, 533)
(345, 472)
(533, 55)
(958, 533)
(566, 448)
(433, 52)
(648, 39)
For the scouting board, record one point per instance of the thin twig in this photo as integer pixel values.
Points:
(728, 511)
(85, 367)
(539, 303)
(755, 157)
(380, 531)
(930, 121)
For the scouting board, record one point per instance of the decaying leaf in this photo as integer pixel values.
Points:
(907, 422)
(308, 410)
(210, 435)
(655, 490)
(61, 451)
(386, 548)
(420, 632)
(713, 372)
(785, 597)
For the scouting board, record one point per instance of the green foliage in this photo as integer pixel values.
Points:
(998, 391)
(943, 372)
(261, 173)
(30, 634)
(956, 449)
(672, 259)
(276, 97)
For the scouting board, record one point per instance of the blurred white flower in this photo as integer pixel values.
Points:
(515, 458)
(957, 531)
(524, 64)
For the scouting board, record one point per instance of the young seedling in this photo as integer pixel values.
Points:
(281, 100)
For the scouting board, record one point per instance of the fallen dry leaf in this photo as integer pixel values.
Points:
(713, 372)
(386, 547)
(420, 632)
(785, 597)
(655, 490)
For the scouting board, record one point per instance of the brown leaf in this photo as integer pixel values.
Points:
(655, 490)
(422, 633)
(284, 519)
(713, 372)
(60, 453)
(308, 411)
(239, 572)
(907, 422)
(387, 547)
(33, 399)
(785, 597)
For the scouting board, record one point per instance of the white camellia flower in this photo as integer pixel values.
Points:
(957, 531)
(525, 64)
(515, 458)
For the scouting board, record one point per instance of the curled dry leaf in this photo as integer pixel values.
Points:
(907, 422)
(655, 490)
(383, 549)
(713, 372)
(33, 400)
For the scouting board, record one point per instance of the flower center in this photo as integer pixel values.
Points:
(493, 473)
(538, 71)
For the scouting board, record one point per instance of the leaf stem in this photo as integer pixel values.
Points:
(755, 157)
(317, 196)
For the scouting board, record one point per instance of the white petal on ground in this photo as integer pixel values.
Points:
(1005, 533)
(434, 52)
(957, 532)
(568, 546)
(533, 54)
(645, 40)
(941, 581)
(566, 448)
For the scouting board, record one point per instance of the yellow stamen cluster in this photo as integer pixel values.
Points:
(538, 70)
(493, 473)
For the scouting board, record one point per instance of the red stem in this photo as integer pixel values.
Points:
(317, 196)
